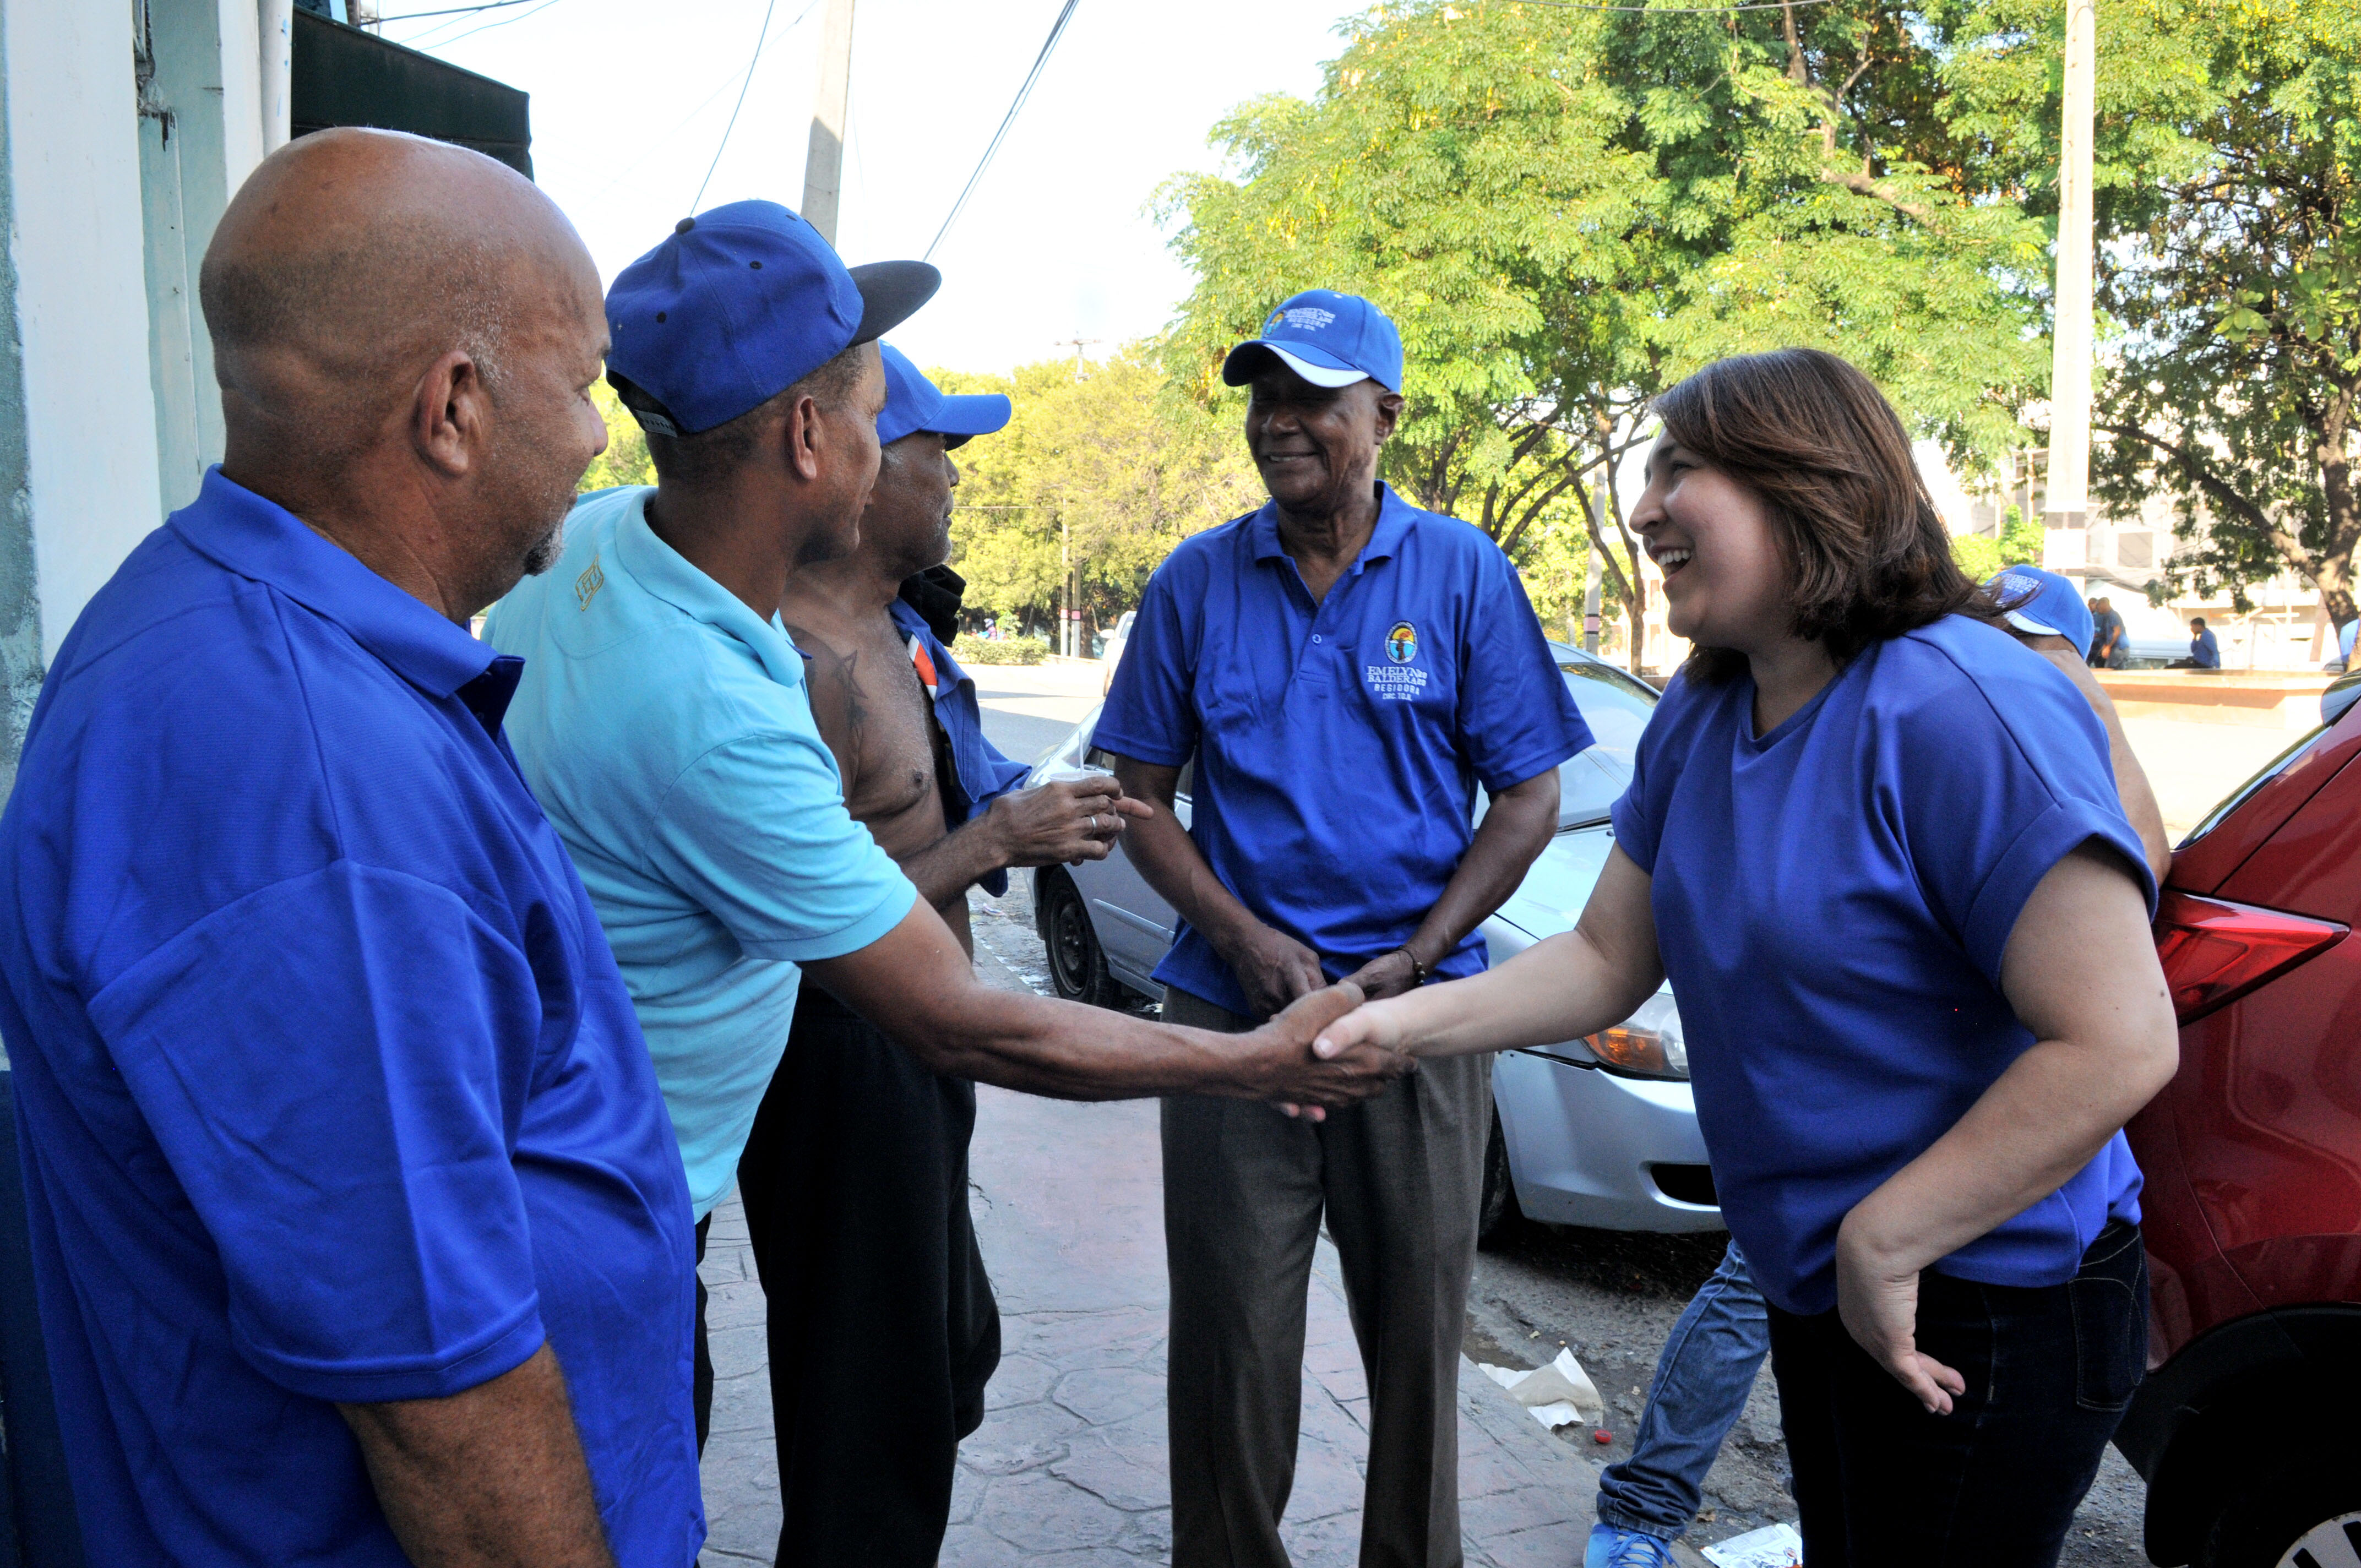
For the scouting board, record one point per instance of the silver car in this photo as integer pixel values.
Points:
(1598, 1132)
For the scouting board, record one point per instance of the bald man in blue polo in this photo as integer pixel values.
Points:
(1345, 669)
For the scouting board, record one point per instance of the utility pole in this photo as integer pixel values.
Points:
(1078, 344)
(2068, 502)
(824, 163)
(1590, 566)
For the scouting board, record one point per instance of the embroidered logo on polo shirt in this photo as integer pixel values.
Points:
(587, 586)
(1400, 681)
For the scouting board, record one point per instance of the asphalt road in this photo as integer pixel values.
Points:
(1611, 1297)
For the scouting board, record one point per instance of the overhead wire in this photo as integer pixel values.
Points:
(451, 11)
(436, 37)
(761, 37)
(1056, 29)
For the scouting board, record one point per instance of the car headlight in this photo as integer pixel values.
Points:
(1646, 1045)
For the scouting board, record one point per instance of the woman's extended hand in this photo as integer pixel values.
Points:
(1878, 1299)
(1371, 1024)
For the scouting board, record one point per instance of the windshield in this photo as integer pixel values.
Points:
(1615, 705)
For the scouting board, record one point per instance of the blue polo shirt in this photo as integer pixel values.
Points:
(666, 728)
(2206, 650)
(326, 1085)
(1339, 743)
(1832, 903)
(982, 774)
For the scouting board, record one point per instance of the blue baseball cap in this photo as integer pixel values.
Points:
(737, 305)
(1329, 339)
(2044, 604)
(913, 403)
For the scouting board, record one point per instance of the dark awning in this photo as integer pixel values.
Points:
(344, 76)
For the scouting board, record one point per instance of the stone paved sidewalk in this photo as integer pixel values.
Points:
(1069, 1466)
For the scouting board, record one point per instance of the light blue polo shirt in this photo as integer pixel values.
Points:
(666, 728)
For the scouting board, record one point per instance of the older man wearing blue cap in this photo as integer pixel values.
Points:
(1345, 669)
(2047, 615)
(663, 721)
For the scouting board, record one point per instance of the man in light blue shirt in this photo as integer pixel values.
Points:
(664, 724)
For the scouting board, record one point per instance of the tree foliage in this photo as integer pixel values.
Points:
(1099, 462)
(2235, 278)
(2019, 545)
(1565, 211)
(625, 461)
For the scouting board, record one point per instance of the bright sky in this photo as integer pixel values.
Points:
(629, 103)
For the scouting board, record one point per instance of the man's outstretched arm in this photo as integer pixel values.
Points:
(491, 1477)
(917, 984)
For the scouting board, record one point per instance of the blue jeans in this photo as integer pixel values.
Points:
(1703, 1377)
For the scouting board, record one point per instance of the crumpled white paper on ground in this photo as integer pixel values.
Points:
(1554, 1395)
(1773, 1546)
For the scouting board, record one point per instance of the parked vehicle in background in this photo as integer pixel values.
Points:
(2248, 1428)
(1116, 640)
(1599, 1132)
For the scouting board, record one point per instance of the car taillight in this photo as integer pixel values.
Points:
(2215, 951)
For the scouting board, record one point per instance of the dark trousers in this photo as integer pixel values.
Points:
(702, 1378)
(1398, 1178)
(882, 1327)
(1881, 1484)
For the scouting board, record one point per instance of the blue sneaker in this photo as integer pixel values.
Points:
(1612, 1548)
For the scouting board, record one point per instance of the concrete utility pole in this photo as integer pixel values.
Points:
(1591, 569)
(2067, 503)
(824, 163)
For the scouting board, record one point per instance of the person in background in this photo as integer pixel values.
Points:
(664, 723)
(358, 1228)
(1345, 669)
(1874, 844)
(2204, 649)
(1709, 1360)
(2107, 650)
(855, 1175)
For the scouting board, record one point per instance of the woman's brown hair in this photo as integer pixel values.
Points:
(1867, 554)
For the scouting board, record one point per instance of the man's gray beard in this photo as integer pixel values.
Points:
(546, 550)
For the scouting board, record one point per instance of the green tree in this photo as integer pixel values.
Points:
(2019, 545)
(1098, 467)
(2237, 288)
(1565, 211)
(625, 461)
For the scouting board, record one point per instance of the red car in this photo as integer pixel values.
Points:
(2248, 1428)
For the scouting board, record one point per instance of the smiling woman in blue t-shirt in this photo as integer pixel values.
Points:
(1875, 845)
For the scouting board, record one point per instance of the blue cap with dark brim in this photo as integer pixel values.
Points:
(913, 403)
(2041, 604)
(738, 304)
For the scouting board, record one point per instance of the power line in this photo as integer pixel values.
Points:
(761, 38)
(453, 11)
(1056, 29)
(428, 41)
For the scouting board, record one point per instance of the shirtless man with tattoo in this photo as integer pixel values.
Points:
(855, 1178)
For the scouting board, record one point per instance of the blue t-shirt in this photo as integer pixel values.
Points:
(980, 772)
(1832, 902)
(326, 1085)
(665, 728)
(2205, 652)
(1339, 743)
